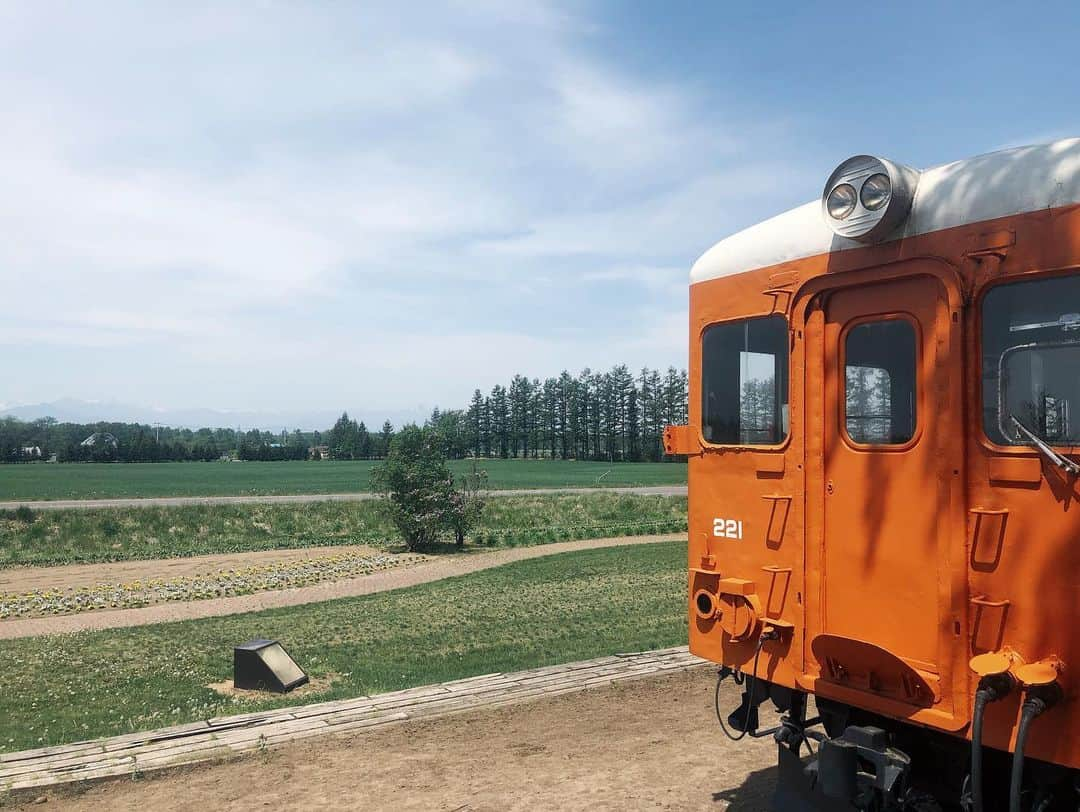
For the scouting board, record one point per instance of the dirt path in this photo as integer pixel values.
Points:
(73, 576)
(180, 501)
(433, 570)
(648, 744)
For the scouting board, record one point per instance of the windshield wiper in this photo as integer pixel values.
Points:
(1064, 463)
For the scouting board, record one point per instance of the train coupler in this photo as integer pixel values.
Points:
(857, 770)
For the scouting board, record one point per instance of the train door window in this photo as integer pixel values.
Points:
(1031, 362)
(744, 366)
(879, 382)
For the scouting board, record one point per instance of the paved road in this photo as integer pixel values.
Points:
(179, 501)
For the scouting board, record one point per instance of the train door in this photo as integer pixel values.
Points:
(888, 449)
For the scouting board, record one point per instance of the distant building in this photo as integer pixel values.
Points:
(319, 452)
(100, 438)
(32, 451)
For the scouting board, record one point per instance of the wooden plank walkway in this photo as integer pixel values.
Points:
(136, 753)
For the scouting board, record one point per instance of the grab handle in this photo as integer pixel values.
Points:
(982, 600)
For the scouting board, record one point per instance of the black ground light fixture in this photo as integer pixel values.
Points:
(265, 665)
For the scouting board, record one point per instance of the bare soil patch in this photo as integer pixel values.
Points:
(648, 744)
(314, 685)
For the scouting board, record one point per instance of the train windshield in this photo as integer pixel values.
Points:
(1031, 362)
(744, 366)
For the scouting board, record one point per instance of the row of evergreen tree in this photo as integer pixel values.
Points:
(349, 440)
(612, 416)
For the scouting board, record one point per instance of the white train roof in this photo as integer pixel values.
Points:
(998, 184)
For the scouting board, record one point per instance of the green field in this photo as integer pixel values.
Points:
(524, 615)
(49, 537)
(132, 480)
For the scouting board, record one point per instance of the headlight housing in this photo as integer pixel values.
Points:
(867, 198)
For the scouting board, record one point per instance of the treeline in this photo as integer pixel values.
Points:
(614, 416)
(27, 441)
(44, 439)
(349, 440)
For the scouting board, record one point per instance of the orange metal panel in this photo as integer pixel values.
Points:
(922, 557)
(680, 440)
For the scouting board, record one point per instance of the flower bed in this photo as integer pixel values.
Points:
(226, 583)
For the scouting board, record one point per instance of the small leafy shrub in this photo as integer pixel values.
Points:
(466, 506)
(422, 500)
(23, 513)
(418, 485)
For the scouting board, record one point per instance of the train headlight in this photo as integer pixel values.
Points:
(841, 201)
(867, 198)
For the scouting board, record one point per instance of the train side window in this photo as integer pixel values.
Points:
(879, 382)
(744, 367)
(1031, 361)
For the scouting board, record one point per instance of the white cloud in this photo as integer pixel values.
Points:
(611, 125)
(650, 277)
(684, 219)
(221, 197)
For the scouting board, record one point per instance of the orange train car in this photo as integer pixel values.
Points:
(883, 488)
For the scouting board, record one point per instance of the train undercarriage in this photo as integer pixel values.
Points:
(843, 757)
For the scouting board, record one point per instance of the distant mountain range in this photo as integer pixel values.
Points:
(70, 410)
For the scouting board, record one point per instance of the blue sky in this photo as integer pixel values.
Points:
(382, 206)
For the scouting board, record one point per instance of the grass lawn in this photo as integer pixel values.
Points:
(125, 534)
(541, 612)
(104, 481)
